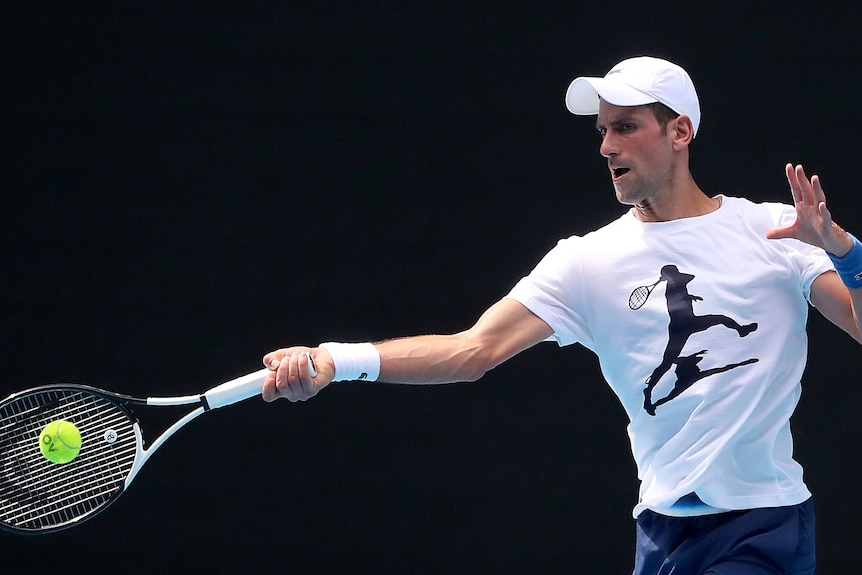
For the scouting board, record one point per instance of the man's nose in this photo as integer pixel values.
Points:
(608, 147)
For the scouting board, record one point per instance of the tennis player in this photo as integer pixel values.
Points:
(708, 368)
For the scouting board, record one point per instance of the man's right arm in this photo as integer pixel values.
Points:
(503, 331)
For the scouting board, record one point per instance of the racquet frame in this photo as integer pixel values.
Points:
(37, 496)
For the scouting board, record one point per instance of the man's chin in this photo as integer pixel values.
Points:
(624, 198)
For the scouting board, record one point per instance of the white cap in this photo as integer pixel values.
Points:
(635, 82)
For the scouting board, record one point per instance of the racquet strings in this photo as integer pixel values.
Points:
(38, 495)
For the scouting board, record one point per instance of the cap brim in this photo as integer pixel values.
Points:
(583, 95)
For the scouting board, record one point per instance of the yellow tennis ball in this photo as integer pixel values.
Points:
(60, 441)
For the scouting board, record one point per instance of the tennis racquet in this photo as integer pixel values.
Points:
(640, 294)
(38, 496)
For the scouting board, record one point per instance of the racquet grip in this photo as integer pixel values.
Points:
(236, 390)
(243, 387)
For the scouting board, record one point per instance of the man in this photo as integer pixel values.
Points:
(696, 306)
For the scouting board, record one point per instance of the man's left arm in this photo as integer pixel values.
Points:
(838, 303)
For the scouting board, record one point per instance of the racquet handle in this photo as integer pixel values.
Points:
(243, 387)
(236, 390)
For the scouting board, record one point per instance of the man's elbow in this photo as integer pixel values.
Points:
(479, 362)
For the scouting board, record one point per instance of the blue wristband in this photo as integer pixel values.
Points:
(849, 266)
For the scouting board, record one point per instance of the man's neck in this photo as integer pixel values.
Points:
(686, 203)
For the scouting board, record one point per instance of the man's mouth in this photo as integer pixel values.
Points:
(618, 172)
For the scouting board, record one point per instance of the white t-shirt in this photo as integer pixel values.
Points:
(719, 344)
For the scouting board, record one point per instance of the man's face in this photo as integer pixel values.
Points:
(639, 152)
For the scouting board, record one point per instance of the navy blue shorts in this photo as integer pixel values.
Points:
(764, 541)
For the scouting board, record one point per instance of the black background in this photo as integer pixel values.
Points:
(188, 187)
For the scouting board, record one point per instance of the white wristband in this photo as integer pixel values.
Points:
(354, 361)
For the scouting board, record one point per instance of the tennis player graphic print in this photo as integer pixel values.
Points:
(683, 323)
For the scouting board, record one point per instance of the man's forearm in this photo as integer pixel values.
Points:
(432, 359)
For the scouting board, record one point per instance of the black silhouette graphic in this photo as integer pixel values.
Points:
(683, 323)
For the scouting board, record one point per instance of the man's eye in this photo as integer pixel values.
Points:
(602, 131)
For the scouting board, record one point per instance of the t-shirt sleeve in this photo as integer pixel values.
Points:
(554, 292)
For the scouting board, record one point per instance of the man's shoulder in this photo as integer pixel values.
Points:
(755, 206)
(771, 213)
(618, 225)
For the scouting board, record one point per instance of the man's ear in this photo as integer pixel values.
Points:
(682, 131)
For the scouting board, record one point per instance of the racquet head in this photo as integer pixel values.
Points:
(37, 495)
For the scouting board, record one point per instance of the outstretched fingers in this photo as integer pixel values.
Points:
(806, 192)
(810, 203)
(814, 224)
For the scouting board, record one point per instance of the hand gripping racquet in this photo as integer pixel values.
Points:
(38, 496)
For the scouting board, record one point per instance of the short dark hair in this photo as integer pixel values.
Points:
(662, 114)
